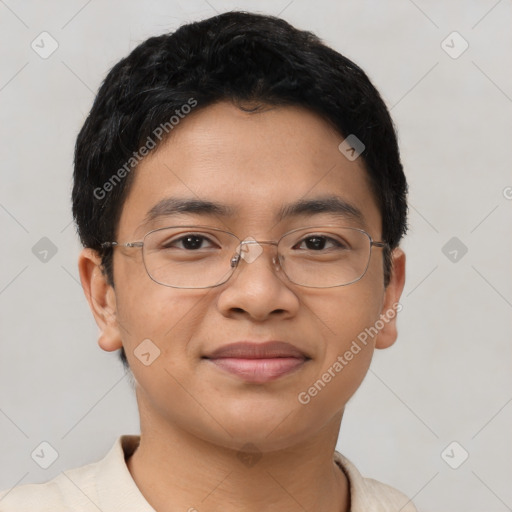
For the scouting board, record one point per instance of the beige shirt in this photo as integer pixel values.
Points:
(108, 486)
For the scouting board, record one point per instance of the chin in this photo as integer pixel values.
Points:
(269, 429)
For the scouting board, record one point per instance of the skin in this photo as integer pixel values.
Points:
(194, 418)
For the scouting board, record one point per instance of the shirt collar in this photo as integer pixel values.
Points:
(117, 490)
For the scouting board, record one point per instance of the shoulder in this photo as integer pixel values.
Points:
(86, 488)
(67, 491)
(369, 495)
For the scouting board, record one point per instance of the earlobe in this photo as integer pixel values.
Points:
(391, 306)
(101, 298)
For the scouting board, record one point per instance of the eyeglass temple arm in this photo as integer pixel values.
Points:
(105, 245)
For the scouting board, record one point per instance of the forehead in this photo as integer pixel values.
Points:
(256, 167)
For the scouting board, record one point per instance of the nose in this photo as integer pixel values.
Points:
(258, 288)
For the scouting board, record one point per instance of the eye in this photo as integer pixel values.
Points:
(188, 242)
(320, 243)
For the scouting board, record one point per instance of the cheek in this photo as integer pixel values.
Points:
(166, 316)
(349, 343)
(157, 329)
(348, 316)
(350, 310)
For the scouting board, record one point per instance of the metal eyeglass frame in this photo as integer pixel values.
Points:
(235, 259)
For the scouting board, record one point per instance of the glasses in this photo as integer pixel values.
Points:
(204, 257)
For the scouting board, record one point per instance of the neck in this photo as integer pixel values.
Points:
(176, 470)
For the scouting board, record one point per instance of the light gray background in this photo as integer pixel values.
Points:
(447, 378)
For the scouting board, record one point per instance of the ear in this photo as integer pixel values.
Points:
(390, 307)
(101, 298)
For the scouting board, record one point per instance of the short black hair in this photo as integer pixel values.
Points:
(239, 57)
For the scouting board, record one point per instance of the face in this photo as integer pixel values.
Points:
(253, 164)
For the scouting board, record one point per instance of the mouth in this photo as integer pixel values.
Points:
(258, 362)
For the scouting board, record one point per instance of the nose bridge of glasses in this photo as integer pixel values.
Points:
(250, 250)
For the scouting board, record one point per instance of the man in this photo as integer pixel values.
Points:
(240, 198)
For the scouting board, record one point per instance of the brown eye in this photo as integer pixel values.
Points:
(189, 242)
(319, 243)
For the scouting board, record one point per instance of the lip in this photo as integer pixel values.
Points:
(258, 362)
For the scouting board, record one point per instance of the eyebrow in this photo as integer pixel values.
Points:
(333, 205)
(175, 206)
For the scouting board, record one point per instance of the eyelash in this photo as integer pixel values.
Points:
(181, 239)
